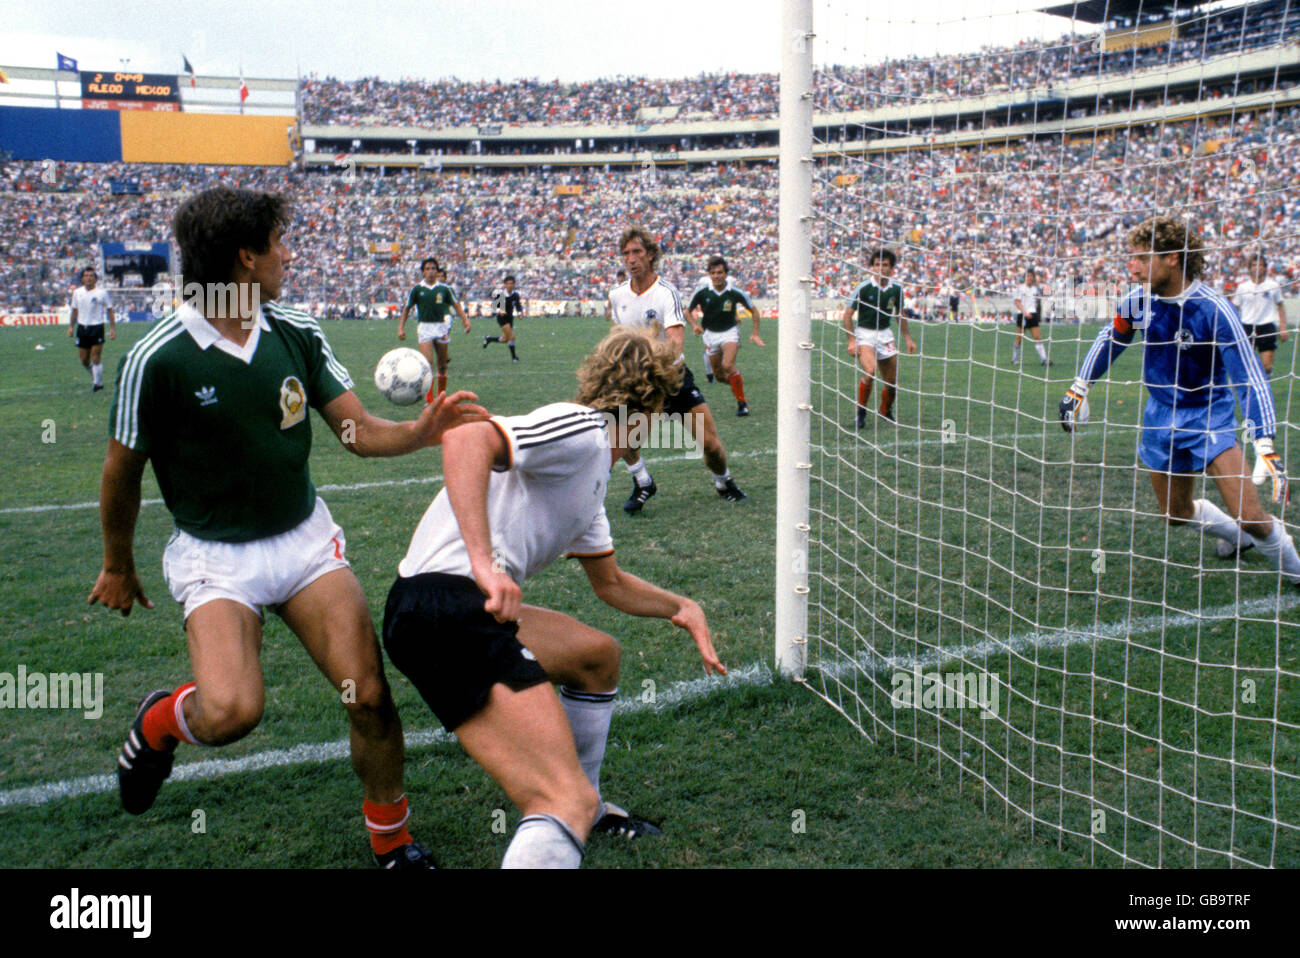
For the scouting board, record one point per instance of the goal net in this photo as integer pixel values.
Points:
(998, 599)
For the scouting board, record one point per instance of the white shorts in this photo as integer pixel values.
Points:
(713, 342)
(881, 340)
(263, 572)
(434, 332)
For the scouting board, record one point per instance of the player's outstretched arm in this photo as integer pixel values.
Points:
(627, 593)
(846, 320)
(464, 320)
(754, 337)
(369, 436)
(468, 458)
(118, 586)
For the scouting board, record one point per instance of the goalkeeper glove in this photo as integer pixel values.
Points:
(1265, 453)
(1074, 406)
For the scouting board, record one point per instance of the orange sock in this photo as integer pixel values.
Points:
(864, 392)
(887, 400)
(162, 729)
(737, 384)
(387, 824)
(442, 385)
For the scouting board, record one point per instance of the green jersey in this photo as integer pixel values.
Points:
(434, 303)
(719, 307)
(876, 305)
(226, 427)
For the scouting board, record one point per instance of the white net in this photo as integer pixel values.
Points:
(999, 599)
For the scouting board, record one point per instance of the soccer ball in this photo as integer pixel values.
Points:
(403, 376)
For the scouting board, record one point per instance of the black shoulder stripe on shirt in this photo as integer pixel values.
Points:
(578, 416)
(560, 432)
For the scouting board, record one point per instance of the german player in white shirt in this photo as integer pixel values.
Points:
(1259, 301)
(645, 300)
(520, 492)
(91, 307)
(1029, 313)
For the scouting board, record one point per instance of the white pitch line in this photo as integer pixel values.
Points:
(316, 753)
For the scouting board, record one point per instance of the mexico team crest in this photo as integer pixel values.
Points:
(293, 402)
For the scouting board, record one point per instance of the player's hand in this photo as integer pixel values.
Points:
(112, 334)
(465, 323)
(70, 332)
(1068, 408)
(853, 347)
(401, 334)
(1265, 453)
(753, 338)
(691, 618)
(118, 590)
(911, 344)
(504, 597)
(1282, 334)
(698, 330)
(448, 412)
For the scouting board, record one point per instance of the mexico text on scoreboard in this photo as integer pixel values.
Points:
(129, 91)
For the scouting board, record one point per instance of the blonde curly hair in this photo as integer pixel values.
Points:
(631, 368)
(1168, 234)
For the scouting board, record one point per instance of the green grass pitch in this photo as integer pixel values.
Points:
(752, 774)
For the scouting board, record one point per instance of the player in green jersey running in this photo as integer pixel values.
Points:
(873, 304)
(433, 300)
(717, 301)
(216, 397)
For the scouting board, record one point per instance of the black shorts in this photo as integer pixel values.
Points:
(88, 336)
(686, 398)
(438, 635)
(1263, 336)
(1027, 320)
(504, 320)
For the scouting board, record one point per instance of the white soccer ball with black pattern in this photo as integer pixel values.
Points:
(403, 376)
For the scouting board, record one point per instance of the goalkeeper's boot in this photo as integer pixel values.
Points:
(616, 821)
(141, 769)
(412, 855)
(861, 419)
(731, 492)
(709, 376)
(742, 409)
(640, 496)
(1227, 549)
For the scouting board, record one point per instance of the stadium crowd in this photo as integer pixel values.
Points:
(718, 96)
(973, 218)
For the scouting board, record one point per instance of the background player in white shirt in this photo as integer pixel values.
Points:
(520, 492)
(1029, 312)
(1259, 300)
(642, 301)
(91, 305)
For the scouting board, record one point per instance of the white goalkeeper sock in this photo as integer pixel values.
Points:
(1216, 522)
(589, 714)
(1280, 549)
(97, 373)
(543, 841)
(1042, 353)
(640, 473)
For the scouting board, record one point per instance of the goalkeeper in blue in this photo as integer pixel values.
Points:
(1197, 364)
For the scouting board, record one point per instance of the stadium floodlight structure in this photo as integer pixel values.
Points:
(972, 586)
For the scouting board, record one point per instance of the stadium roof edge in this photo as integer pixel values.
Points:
(1104, 11)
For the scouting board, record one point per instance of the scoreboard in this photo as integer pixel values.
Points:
(102, 90)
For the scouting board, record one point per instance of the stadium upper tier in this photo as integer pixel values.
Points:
(711, 98)
(973, 217)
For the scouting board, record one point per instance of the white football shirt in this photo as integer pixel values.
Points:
(550, 500)
(1257, 303)
(92, 305)
(1028, 297)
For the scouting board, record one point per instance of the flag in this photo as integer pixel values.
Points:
(66, 63)
(189, 68)
(243, 90)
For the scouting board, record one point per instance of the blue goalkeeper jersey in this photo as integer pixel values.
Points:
(1196, 357)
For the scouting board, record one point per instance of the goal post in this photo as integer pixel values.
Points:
(966, 582)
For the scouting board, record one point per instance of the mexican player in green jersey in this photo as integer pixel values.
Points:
(717, 301)
(433, 300)
(216, 396)
(866, 319)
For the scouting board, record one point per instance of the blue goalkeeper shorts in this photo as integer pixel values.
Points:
(1187, 439)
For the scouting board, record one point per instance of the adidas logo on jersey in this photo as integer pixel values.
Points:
(207, 395)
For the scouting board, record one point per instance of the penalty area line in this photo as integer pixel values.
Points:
(317, 753)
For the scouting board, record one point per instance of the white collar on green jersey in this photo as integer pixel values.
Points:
(205, 334)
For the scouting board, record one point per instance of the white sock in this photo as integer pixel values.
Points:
(97, 373)
(542, 841)
(1015, 353)
(1216, 522)
(640, 473)
(1280, 549)
(1042, 353)
(589, 714)
(720, 479)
